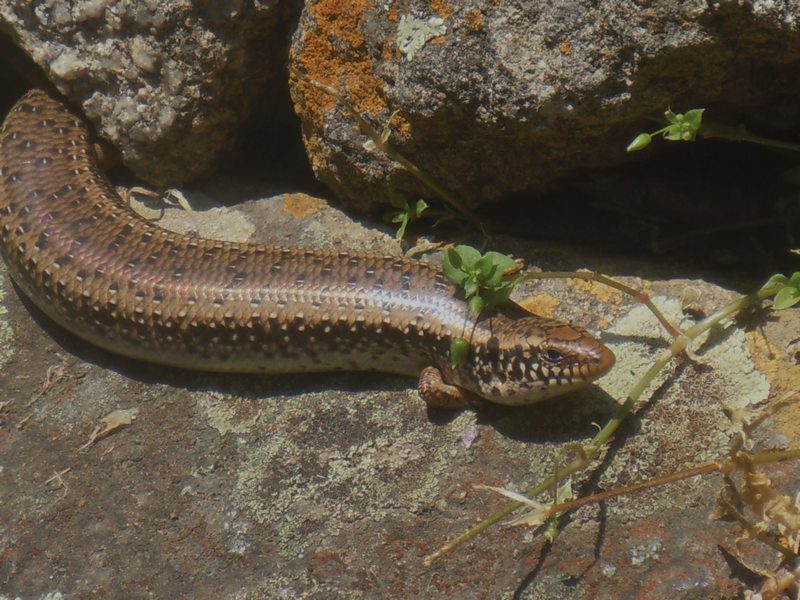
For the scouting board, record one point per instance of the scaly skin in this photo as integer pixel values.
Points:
(120, 282)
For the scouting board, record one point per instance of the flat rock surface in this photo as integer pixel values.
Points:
(338, 486)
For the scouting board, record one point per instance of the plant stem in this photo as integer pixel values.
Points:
(740, 134)
(391, 152)
(678, 345)
(591, 276)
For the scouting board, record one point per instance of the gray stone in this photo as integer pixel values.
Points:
(168, 83)
(496, 98)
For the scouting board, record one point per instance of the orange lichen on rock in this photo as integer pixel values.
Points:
(334, 53)
(474, 19)
(400, 124)
(315, 63)
(441, 8)
(301, 205)
(342, 19)
(317, 152)
(543, 305)
(389, 48)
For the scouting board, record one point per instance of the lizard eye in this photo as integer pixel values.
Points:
(553, 356)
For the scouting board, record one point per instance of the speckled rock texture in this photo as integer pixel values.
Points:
(168, 83)
(337, 486)
(496, 98)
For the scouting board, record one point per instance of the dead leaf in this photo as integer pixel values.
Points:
(110, 423)
(533, 518)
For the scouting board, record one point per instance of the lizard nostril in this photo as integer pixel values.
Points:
(605, 360)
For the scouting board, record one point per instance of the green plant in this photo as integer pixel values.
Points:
(773, 289)
(789, 294)
(407, 212)
(687, 126)
(487, 280)
(682, 127)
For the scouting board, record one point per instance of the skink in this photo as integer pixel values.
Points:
(123, 283)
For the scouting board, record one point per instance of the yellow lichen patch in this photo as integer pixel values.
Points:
(603, 324)
(598, 290)
(783, 374)
(301, 206)
(474, 19)
(543, 305)
(441, 8)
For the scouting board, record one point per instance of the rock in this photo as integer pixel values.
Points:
(338, 485)
(168, 83)
(499, 98)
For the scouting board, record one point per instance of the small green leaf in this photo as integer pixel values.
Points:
(484, 268)
(469, 256)
(496, 296)
(795, 279)
(673, 133)
(470, 288)
(420, 206)
(452, 268)
(694, 118)
(401, 231)
(640, 142)
(454, 258)
(503, 263)
(786, 297)
(459, 351)
(777, 278)
(455, 276)
(476, 305)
